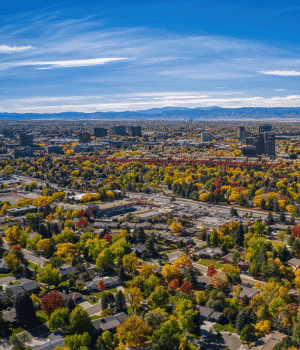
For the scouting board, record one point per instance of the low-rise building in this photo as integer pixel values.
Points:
(21, 210)
(109, 282)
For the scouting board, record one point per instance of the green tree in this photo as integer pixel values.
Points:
(155, 318)
(80, 321)
(25, 310)
(296, 333)
(167, 336)
(76, 341)
(120, 302)
(214, 238)
(159, 298)
(59, 320)
(49, 275)
(248, 334)
(105, 259)
(18, 340)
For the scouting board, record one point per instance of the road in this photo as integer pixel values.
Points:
(28, 255)
(220, 209)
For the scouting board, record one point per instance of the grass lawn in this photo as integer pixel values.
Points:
(15, 330)
(95, 317)
(2, 275)
(43, 318)
(98, 295)
(112, 290)
(193, 347)
(226, 328)
(206, 262)
(31, 265)
(15, 282)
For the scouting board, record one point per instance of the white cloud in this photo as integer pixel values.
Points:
(70, 63)
(7, 49)
(283, 73)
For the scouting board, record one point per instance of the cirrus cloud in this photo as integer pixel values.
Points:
(8, 49)
(283, 73)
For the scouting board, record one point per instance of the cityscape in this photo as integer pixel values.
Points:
(149, 175)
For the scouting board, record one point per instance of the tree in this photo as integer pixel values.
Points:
(167, 336)
(49, 275)
(211, 270)
(244, 317)
(270, 219)
(135, 296)
(248, 333)
(214, 238)
(185, 314)
(70, 304)
(133, 332)
(52, 301)
(105, 259)
(155, 318)
(120, 302)
(240, 236)
(140, 235)
(77, 341)
(159, 298)
(101, 286)
(183, 261)
(106, 341)
(59, 320)
(82, 223)
(12, 262)
(176, 227)
(19, 340)
(296, 333)
(190, 277)
(146, 270)
(12, 235)
(187, 287)
(169, 272)
(43, 245)
(121, 274)
(130, 262)
(174, 284)
(80, 321)
(25, 310)
(150, 247)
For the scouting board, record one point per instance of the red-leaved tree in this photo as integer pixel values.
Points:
(211, 271)
(101, 286)
(174, 284)
(16, 247)
(82, 223)
(108, 238)
(187, 287)
(52, 301)
(296, 231)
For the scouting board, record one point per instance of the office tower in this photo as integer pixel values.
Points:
(264, 128)
(248, 151)
(26, 140)
(119, 130)
(100, 132)
(241, 131)
(134, 130)
(54, 149)
(206, 137)
(269, 140)
(23, 152)
(8, 133)
(84, 137)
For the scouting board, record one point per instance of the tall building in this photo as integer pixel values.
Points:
(264, 128)
(242, 129)
(23, 152)
(269, 140)
(134, 130)
(84, 137)
(206, 137)
(8, 133)
(100, 132)
(248, 151)
(119, 130)
(26, 140)
(54, 149)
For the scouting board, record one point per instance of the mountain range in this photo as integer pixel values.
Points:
(171, 113)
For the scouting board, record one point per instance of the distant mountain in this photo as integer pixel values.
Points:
(170, 113)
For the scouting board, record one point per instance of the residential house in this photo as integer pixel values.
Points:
(25, 286)
(210, 253)
(268, 340)
(209, 314)
(203, 281)
(294, 262)
(109, 323)
(66, 270)
(250, 293)
(74, 296)
(109, 282)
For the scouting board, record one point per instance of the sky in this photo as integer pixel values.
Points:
(110, 55)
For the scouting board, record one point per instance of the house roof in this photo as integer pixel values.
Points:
(31, 285)
(16, 289)
(73, 296)
(203, 280)
(294, 262)
(205, 311)
(66, 270)
(249, 292)
(216, 315)
(109, 322)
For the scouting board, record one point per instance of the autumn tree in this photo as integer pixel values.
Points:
(183, 261)
(169, 272)
(133, 332)
(43, 245)
(49, 275)
(159, 298)
(78, 341)
(12, 235)
(101, 286)
(174, 284)
(176, 227)
(12, 262)
(59, 320)
(52, 301)
(167, 336)
(130, 262)
(134, 296)
(211, 270)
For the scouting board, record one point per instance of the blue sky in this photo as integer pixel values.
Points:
(129, 55)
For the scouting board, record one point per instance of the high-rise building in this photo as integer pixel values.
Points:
(26, 140)
(84, 137)
(269, 140)
(23, 152)
(134, 130)
(248, 151)
(264, 128)
(54, 149)
(8, 133)
(241, 131)
(206, 137)
(100, 132)
(119, 130)
(259, 144)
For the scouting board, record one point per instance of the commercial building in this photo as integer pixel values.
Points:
(269, 142)
(134, 130)
(100, 132)
(241, 131)
(23, 152)
(8, 133)
(84, 137)
(54, 149)
(119, 130)
(248, 151)
(206, 137)
(264, 128)
(26, 139)
(21, 210)
(117, 206)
